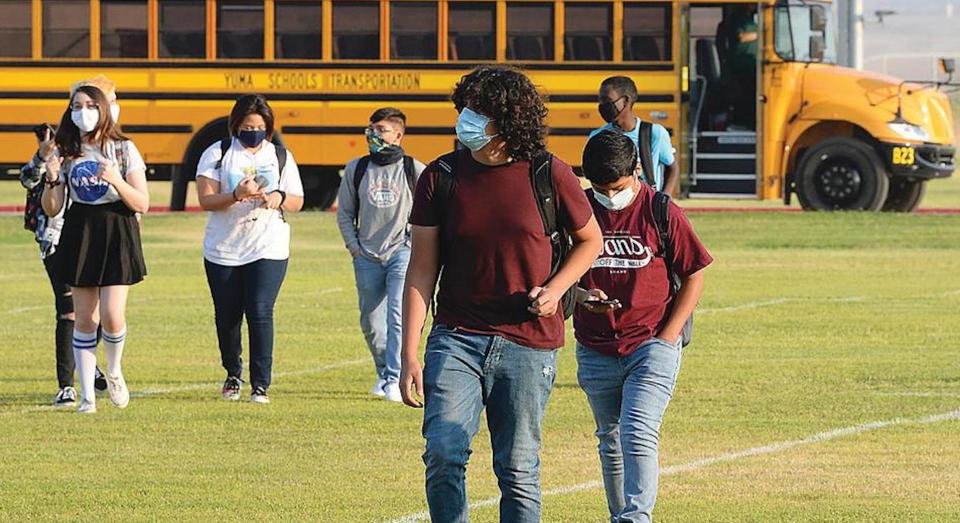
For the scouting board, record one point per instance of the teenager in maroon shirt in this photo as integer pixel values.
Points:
(498, 322)
(628, 323)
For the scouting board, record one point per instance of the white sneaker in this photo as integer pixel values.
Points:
(391, 392)
(377, 389)
(119, 394)
(87, 407)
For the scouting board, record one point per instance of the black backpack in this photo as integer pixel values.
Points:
(646, 153)
(541, 178)
(661, 217)
(360, 170)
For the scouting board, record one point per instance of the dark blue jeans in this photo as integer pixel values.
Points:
(249, 290)
(463, 374)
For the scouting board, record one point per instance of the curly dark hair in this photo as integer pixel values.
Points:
(609, 156)
(510, 99)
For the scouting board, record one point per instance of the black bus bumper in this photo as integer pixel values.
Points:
(925, 161)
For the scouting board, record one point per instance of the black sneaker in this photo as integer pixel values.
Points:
(99, 380)
(66, 397)
(231, 388)
(259, 395)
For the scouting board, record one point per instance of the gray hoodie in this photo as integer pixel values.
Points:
(385, 205)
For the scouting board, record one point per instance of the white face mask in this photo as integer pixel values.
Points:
(618, 202)
(85, 119)
(115, 112)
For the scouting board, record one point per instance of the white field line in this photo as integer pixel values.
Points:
(819, 437)
(201, 386)
(781, 301)
(31, 308)
(921, 394)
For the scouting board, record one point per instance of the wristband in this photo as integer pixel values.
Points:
(283, 196)
(53, 183)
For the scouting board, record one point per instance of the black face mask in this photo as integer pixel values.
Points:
(609, 111)
(387, 155)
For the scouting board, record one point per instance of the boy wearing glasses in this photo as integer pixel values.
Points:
(375, 200)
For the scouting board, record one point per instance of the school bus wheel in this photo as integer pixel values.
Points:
(905, 194)
(842, 174)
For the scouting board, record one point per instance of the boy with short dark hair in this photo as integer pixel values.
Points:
(629, 321)
(375, 199)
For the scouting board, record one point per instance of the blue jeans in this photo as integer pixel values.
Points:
(463, 373)
(628, 397)
(380, 292)
(249, 290)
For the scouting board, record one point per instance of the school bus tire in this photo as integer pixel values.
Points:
(181, 178)
(905, 195)
(842, 174)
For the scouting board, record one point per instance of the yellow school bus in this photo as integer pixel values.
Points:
(840, 139)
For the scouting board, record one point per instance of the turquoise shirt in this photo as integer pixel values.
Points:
(660, 147)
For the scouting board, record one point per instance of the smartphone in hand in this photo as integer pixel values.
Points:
(41, 131)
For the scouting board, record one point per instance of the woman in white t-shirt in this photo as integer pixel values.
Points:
(101, 175)
(247, 240)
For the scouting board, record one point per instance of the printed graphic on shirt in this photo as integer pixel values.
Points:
(623, 251)
(86, 182)
(383, 194)
(269, 171)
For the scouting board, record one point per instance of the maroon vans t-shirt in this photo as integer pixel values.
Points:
(631, 269)
(493, 247)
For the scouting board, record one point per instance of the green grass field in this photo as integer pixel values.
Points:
(810, 323)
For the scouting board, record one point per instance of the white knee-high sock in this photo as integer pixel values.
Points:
(85, 355)
(113, 349)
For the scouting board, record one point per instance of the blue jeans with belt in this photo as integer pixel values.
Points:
(247, 290)
(463, 373)
(628, 397)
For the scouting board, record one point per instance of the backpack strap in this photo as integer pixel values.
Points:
(224, 147)
(444, 182)
(541, 178)
(120, 153)
(410, 172)
(359, 170)
(281, 160)
(661, 218)
(646, 153)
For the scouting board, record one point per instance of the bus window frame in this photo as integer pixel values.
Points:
(383, 28)
(669, 39)
(556, 31)
(386, 38)
(445, 20)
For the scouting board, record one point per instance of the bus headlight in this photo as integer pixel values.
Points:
(910, 131)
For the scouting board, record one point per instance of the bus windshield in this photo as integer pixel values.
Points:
(793, 32)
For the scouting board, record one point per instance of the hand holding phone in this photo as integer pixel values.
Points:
(43, 132)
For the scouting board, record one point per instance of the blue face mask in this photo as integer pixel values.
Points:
(472, 129)
(251, 139)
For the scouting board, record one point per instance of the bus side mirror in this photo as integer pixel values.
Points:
(818, 45)
(948, 65)
(818, 19)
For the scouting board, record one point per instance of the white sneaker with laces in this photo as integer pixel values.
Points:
(87, 407)
(391, 392)
(119, 394)
(377, 389)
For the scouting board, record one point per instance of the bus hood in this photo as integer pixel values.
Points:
(869, 100)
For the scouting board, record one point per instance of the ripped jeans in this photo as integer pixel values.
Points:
(463, 373)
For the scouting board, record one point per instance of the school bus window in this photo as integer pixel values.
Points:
(647, 32)
(297, 29)
(66, 29)
(529, 31)
(413, 30)
(472, 31)
(15, 30)
(588, 27)
(240, 29)
(183, 29)
(356, 30)
(123, 28)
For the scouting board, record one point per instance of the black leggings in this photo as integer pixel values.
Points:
(63, 301)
